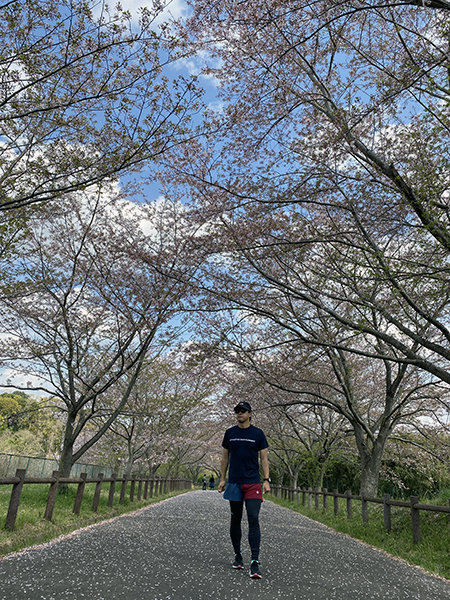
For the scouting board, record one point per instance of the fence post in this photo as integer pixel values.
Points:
(152, 484)
(316, 498)
(387, 512)
(79, 495)
(364, 509)
(325, 498)
(348, 494)
(415, 520)
(146, 489)
(336, 501)
(303, 496)
(51, 498)
(123, 489)
(14, 500)
(139, 493)
(309, 497)
(297, 491)
(112, 489)
(98, 488)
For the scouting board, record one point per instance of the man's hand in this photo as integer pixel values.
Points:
(266, 487)
(221, 486)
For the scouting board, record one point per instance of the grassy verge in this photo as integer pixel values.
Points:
(432, 553)
(31, 528)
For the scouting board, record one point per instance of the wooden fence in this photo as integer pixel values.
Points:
(307, 495)
(146, 487)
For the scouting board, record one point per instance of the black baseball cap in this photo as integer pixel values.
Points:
(243, 406)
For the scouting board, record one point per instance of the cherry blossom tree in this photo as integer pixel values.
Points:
(83, 96)
(325, 180)
(417, 460)
(159, 409)
(370, 399)
(305, 440)
(88, 301)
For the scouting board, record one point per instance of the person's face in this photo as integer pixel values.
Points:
(242, 416)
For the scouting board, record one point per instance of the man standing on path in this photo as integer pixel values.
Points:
(240, 448)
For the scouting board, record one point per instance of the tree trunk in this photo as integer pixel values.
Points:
(370, 455)
(66, 460)
(370, 461)
(370, 475)
(318, 480)
(129, 466)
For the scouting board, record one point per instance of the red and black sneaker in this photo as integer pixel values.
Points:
(238, 562)
(254, 570)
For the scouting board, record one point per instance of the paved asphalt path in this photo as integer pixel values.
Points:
(179, 549)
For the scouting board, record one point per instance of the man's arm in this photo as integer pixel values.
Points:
(223, 468)
(264, 458)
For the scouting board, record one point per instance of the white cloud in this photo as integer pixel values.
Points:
(22, 380)
(197, 65)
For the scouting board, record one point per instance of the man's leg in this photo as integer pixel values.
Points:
(235, 525)
(253, 506)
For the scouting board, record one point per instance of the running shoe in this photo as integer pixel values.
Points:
(254, 570)
(238, 562)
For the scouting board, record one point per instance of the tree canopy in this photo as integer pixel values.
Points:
(304, 222)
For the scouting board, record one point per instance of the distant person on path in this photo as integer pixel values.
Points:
(204, 482)
(211, 482)
(240, 449)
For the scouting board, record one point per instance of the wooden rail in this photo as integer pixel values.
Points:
(147, 487)
(307, 496)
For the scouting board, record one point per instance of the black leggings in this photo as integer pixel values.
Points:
(253, 506)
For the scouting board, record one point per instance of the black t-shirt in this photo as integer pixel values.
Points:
(244, 445)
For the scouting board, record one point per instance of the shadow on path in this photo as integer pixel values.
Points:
(179, 549)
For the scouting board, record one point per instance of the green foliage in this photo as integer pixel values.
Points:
(411, 473)
(9, 407)
(22, 442)
(343, 473)
(28, 425)
(411, 477)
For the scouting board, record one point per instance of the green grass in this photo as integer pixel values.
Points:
(432, 552)
(31, 528)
